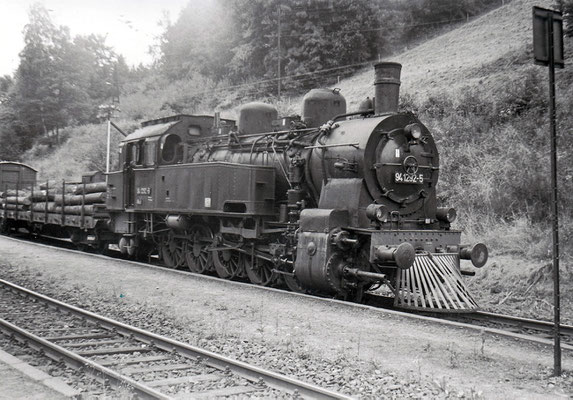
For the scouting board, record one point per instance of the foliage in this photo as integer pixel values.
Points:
(320, 41)
(566, 7)
(494, 159)
(197, 42)
(59, 82)
(84, 150)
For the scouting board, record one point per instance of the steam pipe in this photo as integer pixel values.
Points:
(351, 114)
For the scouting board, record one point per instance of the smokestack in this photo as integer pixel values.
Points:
(386, 87)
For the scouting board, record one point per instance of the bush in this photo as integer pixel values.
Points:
(495, 164)
(85, 150)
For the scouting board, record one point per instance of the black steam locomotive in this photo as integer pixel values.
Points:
(334, 203)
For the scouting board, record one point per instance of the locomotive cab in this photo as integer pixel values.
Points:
(159, 142)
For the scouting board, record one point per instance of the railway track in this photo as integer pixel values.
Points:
(531, 330)
(539, 331)
(150, 365)
(506, 325)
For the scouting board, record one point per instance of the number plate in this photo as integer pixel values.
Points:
(400, 177)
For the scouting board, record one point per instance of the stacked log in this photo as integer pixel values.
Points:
(42, 207)
(96, 187)
(89, 209)
(76, 199)
(20, 203)
(13, 207)
(25, 201)
(42, 195)
(16, 193)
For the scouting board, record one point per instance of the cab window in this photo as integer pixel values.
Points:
(194, 130)
(171, 151)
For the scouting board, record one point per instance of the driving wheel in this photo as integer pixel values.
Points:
(198, 257)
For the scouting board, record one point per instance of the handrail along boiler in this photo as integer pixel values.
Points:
(334, 203)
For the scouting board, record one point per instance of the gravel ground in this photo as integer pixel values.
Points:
(90, 387)
(364, 353)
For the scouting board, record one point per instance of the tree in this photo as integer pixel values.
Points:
(199, 41)
(99, 71)
(255, 47)
(37, 83)
(566, 7)
(324, 37)
(11, 141)
(61, 81)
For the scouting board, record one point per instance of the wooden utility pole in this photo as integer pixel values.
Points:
(279, 54)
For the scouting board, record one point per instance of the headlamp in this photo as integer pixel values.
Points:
(413, 131)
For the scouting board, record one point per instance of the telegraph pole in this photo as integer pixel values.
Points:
(279, 54)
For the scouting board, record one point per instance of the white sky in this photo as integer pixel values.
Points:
(130, 25)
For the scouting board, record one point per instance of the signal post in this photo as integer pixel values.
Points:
(548, 51)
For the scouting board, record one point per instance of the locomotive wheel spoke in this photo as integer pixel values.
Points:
(228, 263)
(172, 252)
(167, 255)
(260, 272)
(242, 271)
(197, 255)
(179, 252)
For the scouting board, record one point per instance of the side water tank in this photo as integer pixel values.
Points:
(321, 105)
(257, 118)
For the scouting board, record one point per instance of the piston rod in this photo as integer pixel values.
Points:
(357, 273)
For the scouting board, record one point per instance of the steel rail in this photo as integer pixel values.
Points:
(522, 322)
(58, 354)
(374, 305)
(461, 320)
(249, 372)
(517, 322)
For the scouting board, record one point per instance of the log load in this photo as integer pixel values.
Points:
(90, 195)
(90, 198)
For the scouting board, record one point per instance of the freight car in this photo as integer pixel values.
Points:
(69, 210)
(332, 202)
(15, 174)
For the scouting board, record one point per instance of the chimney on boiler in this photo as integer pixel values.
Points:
(386, 87)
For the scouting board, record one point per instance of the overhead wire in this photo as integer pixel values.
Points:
(274, 80)
(384, 28)
(308, 75)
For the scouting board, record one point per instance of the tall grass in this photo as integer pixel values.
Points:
(495, 164)
(84, 149)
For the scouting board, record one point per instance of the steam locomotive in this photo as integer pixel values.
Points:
(332, 202)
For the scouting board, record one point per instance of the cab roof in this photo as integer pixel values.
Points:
(159, 126)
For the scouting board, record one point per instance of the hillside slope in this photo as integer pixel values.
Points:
(482, 52)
